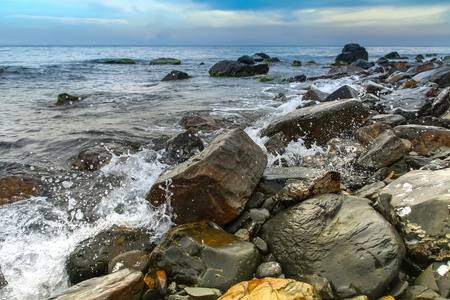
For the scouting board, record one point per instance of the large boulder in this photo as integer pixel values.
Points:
(351, 53)
(319, 123)
(424, 139)
(215, 184)
(123, 285)
(420, 199)
(339, 237)
(408, 103)
(271, 288)
(92, 256)
(197, 254)
(231, 68)
(14, 188)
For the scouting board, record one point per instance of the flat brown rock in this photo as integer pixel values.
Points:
(14, 189)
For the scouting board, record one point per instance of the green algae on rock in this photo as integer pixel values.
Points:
(165, 61)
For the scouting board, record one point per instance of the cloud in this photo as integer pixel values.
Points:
(72, 20)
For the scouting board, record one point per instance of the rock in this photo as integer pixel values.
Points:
(377, 89)
(201, 293)
(14, 188)
(165, 61)
(261, 245)
(271, 288)
(369, 190)
(97, 156)
(258, 57)
(393, 55)
(317, 235)
(420, 199)
(320, 284)
(259, 215)
(3, 281)
(383, 151)
(436, 277)
(134, 260)
(319, 123)
(281, 97)
(298, 78)
(368, 133)
(215, 184)
(120, 61)
(389, 119)
(442, 103)
(196, 254)
(125, 284)
(424, 139)
(351, 53)
(269, 269)
(230, 68)
(92, 256)
(296, 63)
(277, 143)
(298, 190)
(246, 60)
(394, 77)
(315, 94)
(418, 292)
(419, 69)
(344, 92)
(345, 70)
(362, 63)
(184, 145)
(65, 98)
(198, 120)
(432, 75)
(176, 75)
(408, 103)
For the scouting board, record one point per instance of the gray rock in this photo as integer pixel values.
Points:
(319, 123)
(394, 77)
(425, 139)
(215, 184)
(125, 284)
(195, 254)
(442, 103)
(420, 199)
(230, 68)
(134, 260)
(92, 256)
(432, 75)
(321, 284)
(259, 215)
(362, 63)
(246, 60)
(317, 236)
(315, 95)
(200, 293)
(269, 269)
(176, 75)
(418, 292)
(383, 151)
(351, 53)
(389, 119)
(344, 92)
(261, 245)
(184, 145)
(408, 103)
(256, 200)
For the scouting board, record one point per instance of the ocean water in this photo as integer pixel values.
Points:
(122, 103)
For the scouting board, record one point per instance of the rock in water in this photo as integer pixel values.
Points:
(13, 188)
(232, 68)
(197, 254)
(319, 123)
(215, 184)
(339, 237)
(176, 75)
(271, 288)
(351, 53)
(125, 284)
(421, 201)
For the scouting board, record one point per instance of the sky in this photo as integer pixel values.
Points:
(225, 22)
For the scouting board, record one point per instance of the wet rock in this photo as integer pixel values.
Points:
(184, 145)
(408, 103)
(134, 260)
(389, 119)
(269, 269)
(267, 288)
(344, 92)
(3, 281)
(196, 254)
(65, 98)
(383, 151)
(215, 184)
(198, 120)
(320, 284)
(368, 133)
(259, 57)
(246, 60)
(315, 94)
(420, 199)
(300, 189)
(424, 139)
(432, 75)
(319, 123)
(418, 292)
(393, 55)
(317, 235)
(97, 156)
(281, 97)
(377, 89)
(362, 63)
(125, 284)
(200, 293)
(437, 278)
(394, 77)
(277, 143)
(420, 68)
(92, 256)
(369, 190)
(230, 68)
(351, 53)
(176, 75)
(14, 188)
(120, 61)
(442, 103)
(165, 61)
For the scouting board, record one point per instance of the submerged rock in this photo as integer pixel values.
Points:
(165, 61)
(14, 188)
(120, 61)
(65, 98)
(197, 254)
(271, 288)
(230, 68)
(215, 184)
(198, 120)
(122, 285)
(176, 75)
(317, 235)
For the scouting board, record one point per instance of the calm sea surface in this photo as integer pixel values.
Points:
(123, 103)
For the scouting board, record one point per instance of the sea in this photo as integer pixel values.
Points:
(124, 104)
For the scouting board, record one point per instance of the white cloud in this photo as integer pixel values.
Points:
(71, 20)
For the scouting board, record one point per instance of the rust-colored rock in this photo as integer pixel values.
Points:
(271, 289)
(424, 138)
(14, 188)
(215, 184)
(368, 133)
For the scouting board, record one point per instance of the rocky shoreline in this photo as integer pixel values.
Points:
(366, 219)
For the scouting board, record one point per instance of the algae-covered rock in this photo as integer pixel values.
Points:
(65, 98)
(120, 61)
(165, 61)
